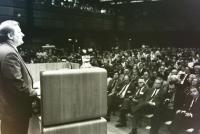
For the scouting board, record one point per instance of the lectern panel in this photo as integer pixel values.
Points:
(88, 127)
(73, 95)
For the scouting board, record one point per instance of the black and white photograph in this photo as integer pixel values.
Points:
(99, 66)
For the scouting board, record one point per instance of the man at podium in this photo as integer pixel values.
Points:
(15, 82)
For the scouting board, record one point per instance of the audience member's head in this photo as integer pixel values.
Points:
(197, 69)
(146, 75)
(194, 92)
(126, 79)
(116, 75)
(141, 82)
(158, 83)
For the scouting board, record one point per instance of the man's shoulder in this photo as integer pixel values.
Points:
(146, 88)
(150, 90)
(5, 49)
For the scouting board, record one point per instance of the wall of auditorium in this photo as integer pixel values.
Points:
(13, 9)
(168, 15)
(142, 23)
(57, 18)
(42, 24)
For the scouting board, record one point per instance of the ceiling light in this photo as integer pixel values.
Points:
(136, 1)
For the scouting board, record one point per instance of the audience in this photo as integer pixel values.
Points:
(163, 82)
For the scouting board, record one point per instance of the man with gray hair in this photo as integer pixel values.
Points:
(16, 90)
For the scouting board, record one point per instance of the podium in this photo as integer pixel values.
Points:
(73, 101)
(97, 126)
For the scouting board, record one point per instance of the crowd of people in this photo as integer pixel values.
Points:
(41, 55)
(161, 82)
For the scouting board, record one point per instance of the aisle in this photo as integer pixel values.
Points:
(111, 129)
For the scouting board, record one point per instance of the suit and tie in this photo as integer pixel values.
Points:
(181, 121)
(124, 90)
(184, 79)
(124, 94)
(141, 71)
(15, 88)
(139, 96)
(112, 85)
(137, 99)
(152, 104)
(111, 96)
(149, 82)
(156, 98)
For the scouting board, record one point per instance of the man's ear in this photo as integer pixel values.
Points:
(10, 36)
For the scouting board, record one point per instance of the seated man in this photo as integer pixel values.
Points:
(188, 115)
(151, 105)
(173, 98)
(147, 79)
(116, 97)
(111, 94)
(138, 95)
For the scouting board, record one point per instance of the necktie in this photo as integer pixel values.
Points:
(122, 89)
(191, 104)
(124, 92)
(184, 79)
(113, 84)
(154, 93)
(139, 90)
(146, 81)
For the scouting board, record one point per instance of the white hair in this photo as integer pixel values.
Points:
(9, 24)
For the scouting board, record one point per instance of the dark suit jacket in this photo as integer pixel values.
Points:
(157, 99)
(140, 95)
(164, 75)
(149, 83)
(112, 84)
(141, 71)
(185, 82)
(180, 96)
(129, 91)
(15, 84)
(194, 109)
